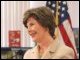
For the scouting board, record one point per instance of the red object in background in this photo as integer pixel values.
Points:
(14, 39)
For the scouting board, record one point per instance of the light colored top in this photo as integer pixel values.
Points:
(56, 50)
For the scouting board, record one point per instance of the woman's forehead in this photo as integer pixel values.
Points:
(31, 19)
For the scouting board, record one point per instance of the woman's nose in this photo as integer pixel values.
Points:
(29, 29)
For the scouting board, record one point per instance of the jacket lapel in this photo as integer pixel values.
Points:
(49, 53)
(35, 53)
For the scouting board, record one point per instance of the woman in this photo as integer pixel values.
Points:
(41, 27)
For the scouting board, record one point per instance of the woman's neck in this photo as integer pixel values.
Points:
(45, 42)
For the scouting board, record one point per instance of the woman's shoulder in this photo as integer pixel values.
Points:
(65, 48)
(62, 47)
(66, 51)
(29, 52)
(26, 54)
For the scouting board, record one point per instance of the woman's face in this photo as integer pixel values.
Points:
(35, 30)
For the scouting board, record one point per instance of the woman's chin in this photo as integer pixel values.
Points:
(34, 39)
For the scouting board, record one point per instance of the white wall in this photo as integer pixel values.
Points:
(11, 19)
(12, 15)
(74, 13)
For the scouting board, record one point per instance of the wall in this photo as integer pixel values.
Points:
(12, 16)
(11, 19)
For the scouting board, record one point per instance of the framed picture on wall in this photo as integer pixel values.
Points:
(14, 38)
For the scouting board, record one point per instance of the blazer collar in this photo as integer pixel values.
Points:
(53, 46)
(51, 49)
(49, 52)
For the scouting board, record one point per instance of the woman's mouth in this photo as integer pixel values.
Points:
(33, 34)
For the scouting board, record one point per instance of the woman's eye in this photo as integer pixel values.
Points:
(31, 24)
